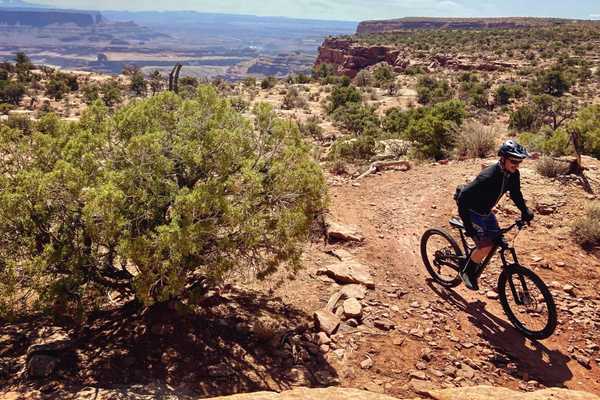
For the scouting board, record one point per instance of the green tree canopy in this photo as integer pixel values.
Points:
(141, 202)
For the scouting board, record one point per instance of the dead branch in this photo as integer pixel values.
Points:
(379, 165)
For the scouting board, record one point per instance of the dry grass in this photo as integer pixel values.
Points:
(587, 229)
(551, 168)
(475, 140)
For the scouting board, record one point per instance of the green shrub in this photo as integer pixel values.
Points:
(324, 71)
(56, 89)
(356, 118)
(249, 82)
(363, 78)
(546, 141)
(141, 202)
(551, 168)
(475, 140)
(414, 70)
(382, 74)
(431, 90)
(396, 120)
(453, 111)
(20, 122)
(586, 126)
(586, 229)
(111, 92)
(239, 104)
(524, 118)
(311, 128)
(552, 82)
(12, 92)
(268, 83)
(503, 95)
(298, 79)
(341, 96)
(5, 108)
(138, 83)
(359, 148)
(433, 136)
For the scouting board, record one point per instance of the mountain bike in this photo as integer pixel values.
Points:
(525, 298)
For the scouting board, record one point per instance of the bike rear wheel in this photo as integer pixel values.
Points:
(441, 256)
(527, 302)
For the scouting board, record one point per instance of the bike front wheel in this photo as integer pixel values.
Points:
(527, 302)
(442, 257)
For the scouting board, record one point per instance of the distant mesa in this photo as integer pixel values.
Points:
(20, 4)
(411, 23)
(41, 18)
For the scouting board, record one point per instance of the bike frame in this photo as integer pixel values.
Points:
(468, 250)
(504, 247)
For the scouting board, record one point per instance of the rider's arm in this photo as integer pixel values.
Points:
(515, 192)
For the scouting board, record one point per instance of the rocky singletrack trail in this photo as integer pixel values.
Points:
(434, 337)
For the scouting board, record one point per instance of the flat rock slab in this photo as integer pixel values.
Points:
(330, 393)
(340, 232)
(497, 393)
(349, 272)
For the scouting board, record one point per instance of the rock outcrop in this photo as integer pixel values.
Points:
(350, 56)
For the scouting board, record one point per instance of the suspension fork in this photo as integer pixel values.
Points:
(519, 297)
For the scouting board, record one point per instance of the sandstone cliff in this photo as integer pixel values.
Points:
(351, 56)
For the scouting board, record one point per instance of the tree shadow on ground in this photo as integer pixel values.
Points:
(237, 341)
(546, 366)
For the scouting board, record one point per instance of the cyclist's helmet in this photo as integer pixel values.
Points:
(512, 149)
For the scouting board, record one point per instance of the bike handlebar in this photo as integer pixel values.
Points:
(520, 224)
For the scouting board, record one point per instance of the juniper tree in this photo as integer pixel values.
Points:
(139, 203)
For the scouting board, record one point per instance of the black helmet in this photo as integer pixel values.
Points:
(512, 149)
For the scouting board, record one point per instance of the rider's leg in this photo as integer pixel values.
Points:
(481, 252)
(486, 227)
(472, 269)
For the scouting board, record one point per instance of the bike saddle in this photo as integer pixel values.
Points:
(457, 223)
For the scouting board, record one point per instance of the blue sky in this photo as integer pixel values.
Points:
(355, 10)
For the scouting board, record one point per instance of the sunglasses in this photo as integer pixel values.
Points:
(514, 162)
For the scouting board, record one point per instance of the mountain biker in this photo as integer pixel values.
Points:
(476, 200)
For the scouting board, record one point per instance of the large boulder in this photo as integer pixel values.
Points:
(340, 232)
